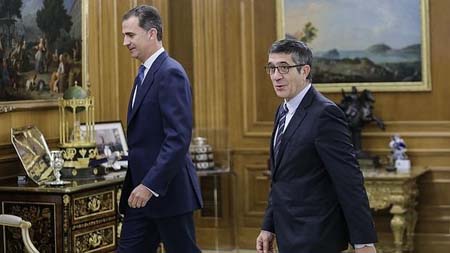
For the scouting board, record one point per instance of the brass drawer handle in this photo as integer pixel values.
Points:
(94, 204)
(95, 240)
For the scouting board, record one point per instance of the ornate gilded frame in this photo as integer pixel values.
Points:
(9, 106)
(423, 85)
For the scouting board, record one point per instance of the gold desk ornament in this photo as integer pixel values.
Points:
(33, 152)
(76, 129)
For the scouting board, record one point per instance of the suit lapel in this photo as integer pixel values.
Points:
(294, 124)
(145, 86)
(130, 102)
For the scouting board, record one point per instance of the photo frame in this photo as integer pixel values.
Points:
(380, 46)
(109, 133)
(42, 53)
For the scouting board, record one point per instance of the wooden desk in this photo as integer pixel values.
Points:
(80, 217)
(397, 191)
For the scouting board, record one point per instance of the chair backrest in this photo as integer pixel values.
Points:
(16, 221)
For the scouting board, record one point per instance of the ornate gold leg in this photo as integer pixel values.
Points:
(411, 218)
(398, 226)
(410, 227)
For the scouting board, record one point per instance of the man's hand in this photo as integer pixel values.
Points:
(366, 250)
(139, 196)
(264, 242)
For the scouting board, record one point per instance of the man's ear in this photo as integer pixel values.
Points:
(306, 70)
(150, 35)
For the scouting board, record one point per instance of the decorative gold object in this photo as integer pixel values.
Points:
(396, 192)
(33, 152)
(76, 128)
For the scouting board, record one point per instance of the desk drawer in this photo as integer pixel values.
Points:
(93, 205)
(95, 239)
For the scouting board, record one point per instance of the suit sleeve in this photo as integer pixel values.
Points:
(336, 151)
(175, 105)
(268, 216)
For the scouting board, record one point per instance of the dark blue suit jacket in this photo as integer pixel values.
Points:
(317, 202)
(158, 134)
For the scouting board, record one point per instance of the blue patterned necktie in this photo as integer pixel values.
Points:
(138, 81)
(280, 130)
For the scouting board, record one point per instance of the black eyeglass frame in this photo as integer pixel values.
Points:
(271, 69)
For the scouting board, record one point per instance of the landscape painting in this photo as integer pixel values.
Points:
(40, 50)
(381, 45)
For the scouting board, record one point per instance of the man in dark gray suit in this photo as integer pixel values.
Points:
(317, 202)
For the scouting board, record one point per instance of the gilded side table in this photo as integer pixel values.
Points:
(80, 217)
(397, 191)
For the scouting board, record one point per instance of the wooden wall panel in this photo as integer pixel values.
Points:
(432, 231)
(253, 184)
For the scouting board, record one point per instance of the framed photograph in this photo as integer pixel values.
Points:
(380, 45)
(110, 134)
(42, 51)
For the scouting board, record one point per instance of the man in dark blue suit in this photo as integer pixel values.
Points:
(317, 201)
(161, 188)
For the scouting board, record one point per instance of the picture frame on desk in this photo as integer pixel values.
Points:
(110, 133)
(381, 47)
(40, 61)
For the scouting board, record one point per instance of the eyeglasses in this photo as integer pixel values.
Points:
(282, 69)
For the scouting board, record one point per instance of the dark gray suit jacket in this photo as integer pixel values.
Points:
(317, 202)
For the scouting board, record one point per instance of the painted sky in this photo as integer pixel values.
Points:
(356, 24)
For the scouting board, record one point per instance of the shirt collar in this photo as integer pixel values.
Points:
(295, 101)
(149, 62)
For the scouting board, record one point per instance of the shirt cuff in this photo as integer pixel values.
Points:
(154, 193)
(359, 246)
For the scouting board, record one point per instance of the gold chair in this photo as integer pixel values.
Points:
(15, 221)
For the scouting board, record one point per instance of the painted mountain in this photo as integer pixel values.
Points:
(378, 63)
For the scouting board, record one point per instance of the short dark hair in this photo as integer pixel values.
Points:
(148, 17)
(301, 53)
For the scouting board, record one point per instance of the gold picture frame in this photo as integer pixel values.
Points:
(395, 74)
(12, 101)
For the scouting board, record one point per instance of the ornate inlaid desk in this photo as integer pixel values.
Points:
(80, 217)
(397, 191)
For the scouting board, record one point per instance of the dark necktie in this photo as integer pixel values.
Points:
(138, 81)
(280, 130)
